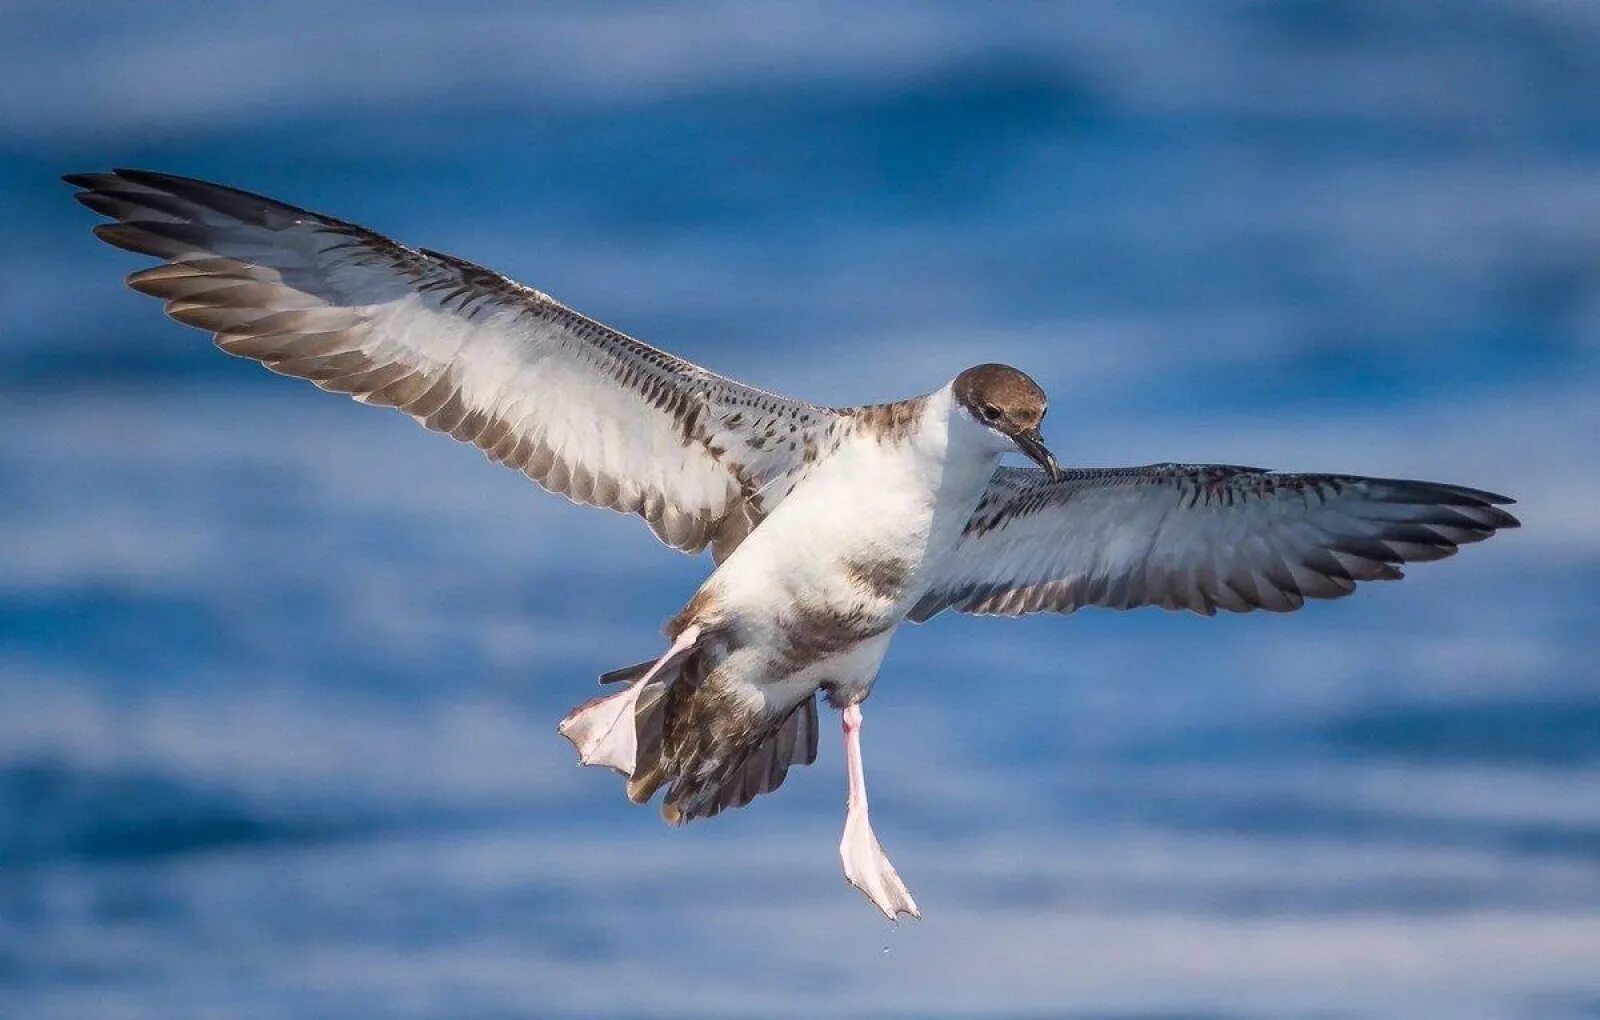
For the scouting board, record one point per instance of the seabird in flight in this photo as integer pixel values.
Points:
(829, 527)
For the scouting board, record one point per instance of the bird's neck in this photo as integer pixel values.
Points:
(963, 452)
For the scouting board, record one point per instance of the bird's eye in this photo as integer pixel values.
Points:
(989, 412)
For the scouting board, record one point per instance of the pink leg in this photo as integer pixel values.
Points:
(602, 728)
(866, 866)
(851, 720)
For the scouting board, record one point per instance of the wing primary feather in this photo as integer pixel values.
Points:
(465, 351)
(1197, 537)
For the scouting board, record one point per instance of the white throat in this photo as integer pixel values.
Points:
(965, 434)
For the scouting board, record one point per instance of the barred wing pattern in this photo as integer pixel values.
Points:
(581, 409)
(1201, 537)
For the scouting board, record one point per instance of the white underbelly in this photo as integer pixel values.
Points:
(843, 519)
(853, 542)
(812, 597)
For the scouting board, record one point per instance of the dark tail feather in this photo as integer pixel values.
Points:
(717, 755)
(696, 794)
(649, 720)
(627, 674)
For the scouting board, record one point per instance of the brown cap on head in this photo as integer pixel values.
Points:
(1009, 402)
(1001, 396)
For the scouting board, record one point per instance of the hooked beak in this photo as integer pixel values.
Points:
(1032, 444)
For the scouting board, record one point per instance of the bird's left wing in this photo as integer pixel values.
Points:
(1196, 536)
(580, 408)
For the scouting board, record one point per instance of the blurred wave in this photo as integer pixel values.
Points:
(279, 675)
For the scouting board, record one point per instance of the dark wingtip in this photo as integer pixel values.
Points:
(99, 201)
(151, 178)
(1491, 503)
(1491, 497)
(99, 179)
(91, 181)
(136, 238)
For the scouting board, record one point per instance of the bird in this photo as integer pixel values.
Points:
(828, 527)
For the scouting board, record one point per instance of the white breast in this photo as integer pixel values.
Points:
(873, 499)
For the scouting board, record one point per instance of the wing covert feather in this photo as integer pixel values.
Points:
(585, 411)
(1200, 537)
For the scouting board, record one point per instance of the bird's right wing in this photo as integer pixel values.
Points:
(1196, 536)
(580, 408)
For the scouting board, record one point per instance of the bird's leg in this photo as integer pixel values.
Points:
(602, 729)
(866, 866)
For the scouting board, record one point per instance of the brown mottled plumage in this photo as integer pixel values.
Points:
(1145, 537)
(700, 737)
(889, 422)
(829, 526)
(315, 297)
(881, 577)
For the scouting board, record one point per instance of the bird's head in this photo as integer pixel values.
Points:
(1009, 404)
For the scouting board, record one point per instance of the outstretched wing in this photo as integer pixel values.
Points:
(581, 409)
(1196, 536)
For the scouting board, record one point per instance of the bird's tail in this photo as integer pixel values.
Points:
(671, 729)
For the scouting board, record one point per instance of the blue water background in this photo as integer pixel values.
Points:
(279, 674)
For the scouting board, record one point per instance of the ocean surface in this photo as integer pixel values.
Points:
(280, 674)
